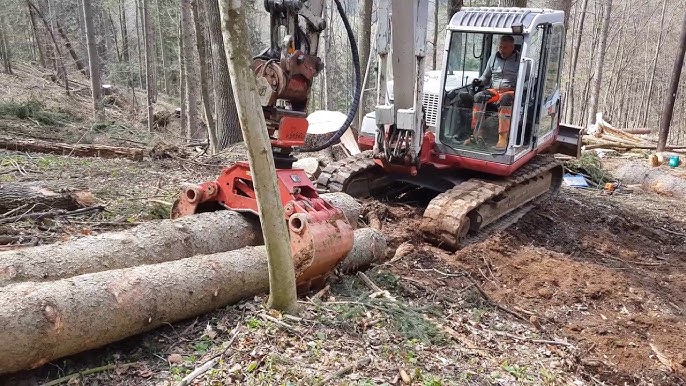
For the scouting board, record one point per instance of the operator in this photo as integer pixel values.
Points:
(501, 74)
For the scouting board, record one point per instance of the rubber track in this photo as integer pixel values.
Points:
(335, 175)
(447, 212)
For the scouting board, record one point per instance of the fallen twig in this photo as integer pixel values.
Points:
(276, 321)
(318, 296)
(94, 370)
(494, 303)
(50, 214)
(377, 291)
(210, 362)
(533, 340)
(360, 363)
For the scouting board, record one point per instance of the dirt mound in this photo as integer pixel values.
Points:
(610, 279)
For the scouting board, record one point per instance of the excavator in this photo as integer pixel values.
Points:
(477, 183)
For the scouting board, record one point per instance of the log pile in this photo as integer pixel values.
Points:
(603, 135)
(61, 299)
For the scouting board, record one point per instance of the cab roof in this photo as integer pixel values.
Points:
(501, 20)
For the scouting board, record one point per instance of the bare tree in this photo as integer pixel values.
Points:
(93, 60)
(5, 47)
(598, 63)
(668, 109)
(190, 79)
(38, 37)
(199, 20)
(658, 48)
(149, 67)
(282, 290)
(67, 43)
(364, 37)
(228, 126)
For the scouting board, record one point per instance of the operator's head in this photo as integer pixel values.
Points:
(506, 46)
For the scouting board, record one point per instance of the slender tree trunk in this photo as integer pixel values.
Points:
(649, 95)
(113, 29)
(163, 51)
(6, 54)
(182, 75)
(668, 109)
(364, 41)
(139, 23)
(149, 68)
(598, 62)
(201, 43)
(93, 59)
(434, 42)
(67, 43)
(325, 57)
(37, 36)
(228, 125)
(124, 32)
(191, 79)
(282, 293)
(59, 60)
(575, 60)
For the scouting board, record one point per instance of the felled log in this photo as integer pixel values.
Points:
(36, 198)
(75, 150)
(40, 322)
(149, 243)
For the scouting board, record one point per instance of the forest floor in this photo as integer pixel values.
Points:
(586, 289)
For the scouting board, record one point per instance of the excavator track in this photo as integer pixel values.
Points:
(353, 175)
(482, 205)
(461, 215)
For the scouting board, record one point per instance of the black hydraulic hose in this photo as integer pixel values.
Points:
(358, 87)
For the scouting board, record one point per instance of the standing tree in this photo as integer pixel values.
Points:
(149, 66)
(228, 125)
(282, 290)
(5, 47)
(453, 7)
(668, 109)
(200, 22)
(364, 37)
(93, 60)
(190, 78)
(575, 59)
(598, 63)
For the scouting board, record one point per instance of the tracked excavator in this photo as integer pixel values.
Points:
(487, 163)
(478, 183)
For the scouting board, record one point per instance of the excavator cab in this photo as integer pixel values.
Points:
(491, 121)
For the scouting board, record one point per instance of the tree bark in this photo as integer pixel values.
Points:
(668, 109)
(124, 33)
(93, 60)
(76, 150)
(67, 43)
(37, 198)
(282, 290)
(149, 66)
(139, 18)
(228, 125)
(658, 48)
(163, 51)
(575, 60)
(364, 37)
(598, 63)
(40, 43)
(191, 78)
(6, 54)
(199, 21)
(149, 243)
(49, 320)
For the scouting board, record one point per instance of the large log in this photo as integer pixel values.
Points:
(40, 322)
(150, 243)
(37, 198)
(75, 150)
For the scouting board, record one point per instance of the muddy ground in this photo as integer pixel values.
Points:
(586, 289)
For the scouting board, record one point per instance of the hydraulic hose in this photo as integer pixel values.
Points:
(352, 111)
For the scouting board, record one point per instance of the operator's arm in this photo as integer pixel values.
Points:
(485, 78)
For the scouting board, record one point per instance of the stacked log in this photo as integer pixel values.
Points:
(66, 298)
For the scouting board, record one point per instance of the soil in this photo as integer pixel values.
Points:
(587, 288)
